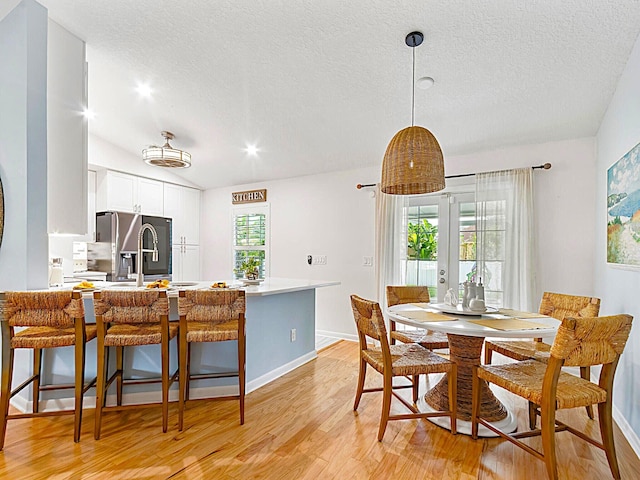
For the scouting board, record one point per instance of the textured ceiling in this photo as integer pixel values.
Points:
(323, 85)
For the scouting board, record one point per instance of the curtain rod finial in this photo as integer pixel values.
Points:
(546, 166)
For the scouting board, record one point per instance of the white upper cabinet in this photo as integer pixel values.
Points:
(67, 132)
(182, 205)
(185, 263)
(122, 192)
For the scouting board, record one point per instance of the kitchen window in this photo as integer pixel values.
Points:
(251, 237)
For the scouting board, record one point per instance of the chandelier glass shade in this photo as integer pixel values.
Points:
(166, 156)
(413, 162)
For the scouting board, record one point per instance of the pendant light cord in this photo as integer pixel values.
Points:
(413, 87)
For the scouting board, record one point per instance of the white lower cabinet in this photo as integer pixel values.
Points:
(185, 263)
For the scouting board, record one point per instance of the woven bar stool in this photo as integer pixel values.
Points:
(53, 319)
(396, 360)
(556, 305)
(583, 342)
(126, 318)
(211, 316)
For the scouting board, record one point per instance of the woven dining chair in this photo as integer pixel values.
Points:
(430, 340)
(407, 360)
(556, 305)
(53, 319)
(129, 318)
(582, 342)
(211, 316)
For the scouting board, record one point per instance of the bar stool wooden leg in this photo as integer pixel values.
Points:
(120, 373)
(79, 388)
(188, 375)
(241, 370)
(100, 381)
(37, 366)
(165, 374)
(183, 379)
(5, 387)
(416, 385)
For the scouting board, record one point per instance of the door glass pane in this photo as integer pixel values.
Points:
(422, 246)
(467, 231)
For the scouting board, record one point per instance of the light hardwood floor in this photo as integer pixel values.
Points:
(301, 426)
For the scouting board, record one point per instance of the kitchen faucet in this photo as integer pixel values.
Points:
(154, 258)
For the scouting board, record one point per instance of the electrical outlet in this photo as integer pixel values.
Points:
(367, 261)
(293, 334)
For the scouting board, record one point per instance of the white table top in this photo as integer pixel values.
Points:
(462, 326)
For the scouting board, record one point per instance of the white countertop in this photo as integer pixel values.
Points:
(270, 286)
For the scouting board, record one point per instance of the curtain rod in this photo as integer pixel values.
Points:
(546, 166)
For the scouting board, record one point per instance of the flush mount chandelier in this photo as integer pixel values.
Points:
(413, 163)
(166, 156)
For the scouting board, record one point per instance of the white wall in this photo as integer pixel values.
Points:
(326, 215)
(618, 288)
(23, 146)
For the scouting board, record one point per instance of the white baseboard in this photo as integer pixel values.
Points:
(343, 336)
(24, 405)
(627, 431)
(280, 371)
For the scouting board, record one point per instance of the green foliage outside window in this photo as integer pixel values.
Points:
(422, 241)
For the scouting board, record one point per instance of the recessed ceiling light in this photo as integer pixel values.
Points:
(144, 90)
(88, 114)
(425, 82)
(251, 150)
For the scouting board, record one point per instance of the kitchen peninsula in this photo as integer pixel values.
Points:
(280, 329)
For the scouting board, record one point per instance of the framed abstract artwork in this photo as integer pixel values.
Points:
(623, 210)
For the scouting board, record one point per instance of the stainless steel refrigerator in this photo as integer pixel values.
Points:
(116, 246)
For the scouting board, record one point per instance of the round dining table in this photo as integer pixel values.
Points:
(465, 346)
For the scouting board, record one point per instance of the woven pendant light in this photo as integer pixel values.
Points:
(413, 163)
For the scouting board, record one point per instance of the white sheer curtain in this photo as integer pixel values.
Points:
(505, 237)
(391, 246)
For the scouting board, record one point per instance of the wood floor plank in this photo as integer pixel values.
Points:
(302, 426)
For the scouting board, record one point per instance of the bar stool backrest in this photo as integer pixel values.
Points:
(127, 306)
(211, 305)
(41, 309)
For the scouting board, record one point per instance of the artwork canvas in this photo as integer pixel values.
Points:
(623, 210)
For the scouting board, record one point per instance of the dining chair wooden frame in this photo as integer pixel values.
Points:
(558, 306)
(408, 360)
(401, 294)
(580, 342)
(53, 319)
(216, 315)
(130, 318)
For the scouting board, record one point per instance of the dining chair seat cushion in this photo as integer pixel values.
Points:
(49, 337)
(525, 379)
(407, 359)
(429, 340)
(123, 335)
(522, 349)
(212, 331)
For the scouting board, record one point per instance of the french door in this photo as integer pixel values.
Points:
(441, 242)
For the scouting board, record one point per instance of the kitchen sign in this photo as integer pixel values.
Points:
(250, 196)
